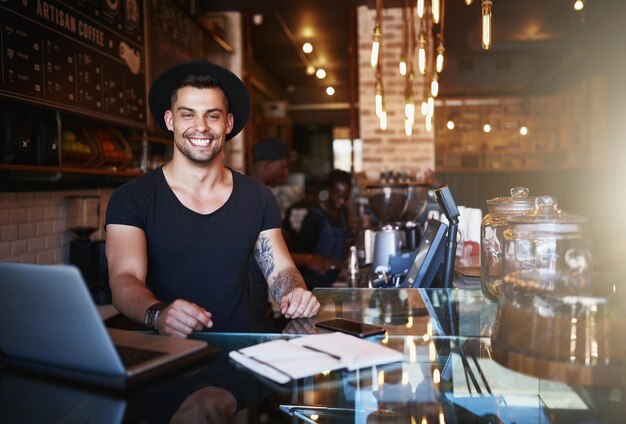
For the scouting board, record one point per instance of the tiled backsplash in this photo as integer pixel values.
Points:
(33, 225)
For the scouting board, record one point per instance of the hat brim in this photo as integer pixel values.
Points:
(233, 87)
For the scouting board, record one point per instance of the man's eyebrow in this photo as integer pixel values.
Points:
(188, 109)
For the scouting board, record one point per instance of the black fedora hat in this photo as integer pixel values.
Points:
(233, 87)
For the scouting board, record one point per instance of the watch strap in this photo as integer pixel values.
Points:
(151, 317)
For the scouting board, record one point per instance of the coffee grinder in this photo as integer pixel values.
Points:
(87, 254)
(416, 204)
(388, 203)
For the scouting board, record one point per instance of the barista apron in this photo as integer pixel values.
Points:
(332, 244)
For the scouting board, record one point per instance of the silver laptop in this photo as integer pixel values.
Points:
(49, 323)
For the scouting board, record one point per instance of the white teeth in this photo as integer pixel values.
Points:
(200, 141)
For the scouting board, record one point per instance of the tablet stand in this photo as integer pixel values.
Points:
(448, 205)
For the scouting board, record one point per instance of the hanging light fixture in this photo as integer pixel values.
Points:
(403, 54)
(486, 20)
(440, 48)
(439, 59)
(421, 53)
(378, 35)
(436, 11)
(379, 98)
(434, 86)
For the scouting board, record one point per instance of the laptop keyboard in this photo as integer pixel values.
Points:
(132, 356)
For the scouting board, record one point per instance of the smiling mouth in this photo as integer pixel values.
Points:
(201, 142)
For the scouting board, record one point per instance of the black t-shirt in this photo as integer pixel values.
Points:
(200, 258)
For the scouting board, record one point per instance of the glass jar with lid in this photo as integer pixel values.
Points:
(548, 239)
(492, 236)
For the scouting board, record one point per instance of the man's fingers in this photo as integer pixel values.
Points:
(183, 317)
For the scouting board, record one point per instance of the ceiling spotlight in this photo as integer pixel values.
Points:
(257, 19)
(579, 5)
(310, 70)
(330, 91)
(307, 47)
(320, 73)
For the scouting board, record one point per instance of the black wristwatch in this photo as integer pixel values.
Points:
(151, 317)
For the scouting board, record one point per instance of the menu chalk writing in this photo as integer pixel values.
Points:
(87, 57)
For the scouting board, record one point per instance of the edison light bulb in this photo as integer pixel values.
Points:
(523, 130)
(402, 67)
(434, 86)
(376, 46)
(408, 127)
(424, 108)
(436, 11)
(439, 60)
(579, 5)
(420, 8)
(468, 2)
(429, 123)
(409, 111)
(431, 106)
(487, 128)
(330, 91)
(486, 7)
(307, 47)
(421, 54)
(450, 124)
(383, 120)
(379, 98)
(320, 73)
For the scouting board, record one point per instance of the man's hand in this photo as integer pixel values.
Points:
(181, 318)
(299, 303)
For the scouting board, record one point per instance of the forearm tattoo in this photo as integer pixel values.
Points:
(284, 283)
(264, 256)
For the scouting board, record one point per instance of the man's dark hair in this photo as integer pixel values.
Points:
(196, 81)
(270, 149)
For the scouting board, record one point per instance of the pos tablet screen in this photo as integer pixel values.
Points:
(429, 256)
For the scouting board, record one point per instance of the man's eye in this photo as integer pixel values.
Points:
(214, 117)
(187, 115)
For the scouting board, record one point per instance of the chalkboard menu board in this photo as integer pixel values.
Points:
(175, 36)
(83, 56)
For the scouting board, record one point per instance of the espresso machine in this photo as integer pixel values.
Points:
(86, 253)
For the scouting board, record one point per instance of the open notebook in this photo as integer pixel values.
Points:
(283, 360)
(49, 323)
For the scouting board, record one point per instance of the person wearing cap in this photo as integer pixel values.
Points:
(270, 162)
(179, 238)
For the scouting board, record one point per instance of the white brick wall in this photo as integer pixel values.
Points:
(33, 225)
(415, 154)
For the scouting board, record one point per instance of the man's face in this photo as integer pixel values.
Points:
(277, 171)
(338, 195)
(200, 122)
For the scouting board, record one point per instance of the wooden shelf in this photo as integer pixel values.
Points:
(74, 170)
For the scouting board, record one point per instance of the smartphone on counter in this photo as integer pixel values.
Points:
(354, 328)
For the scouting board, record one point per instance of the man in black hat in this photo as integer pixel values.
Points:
(179, 238)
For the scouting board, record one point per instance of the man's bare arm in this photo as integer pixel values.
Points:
(287, 287)
(128, 267)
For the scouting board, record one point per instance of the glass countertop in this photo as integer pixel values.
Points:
(449, 374)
